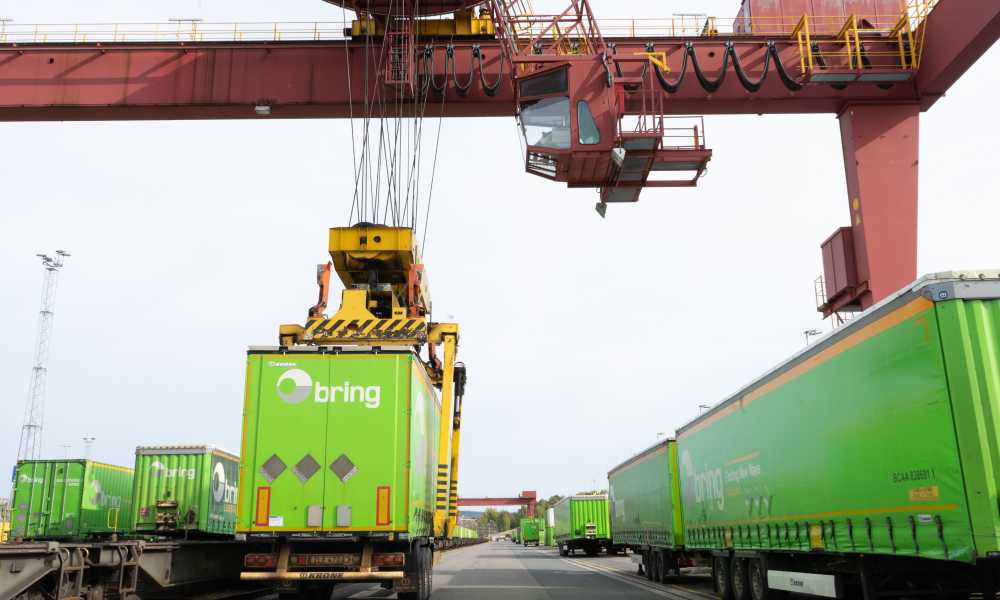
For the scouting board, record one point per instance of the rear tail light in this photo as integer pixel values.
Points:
(389, 559)
(260, 561)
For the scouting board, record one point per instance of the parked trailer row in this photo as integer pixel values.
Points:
(867, 465)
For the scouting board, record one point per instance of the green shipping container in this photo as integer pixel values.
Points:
(880, 438)
(645, 499)
(338, 442)
(529, 531)
(185, 489)
(582, 522)
(70, 499)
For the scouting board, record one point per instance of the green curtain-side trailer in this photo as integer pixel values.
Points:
(185, 489)
(877, 445)
(644, 500)
(70, 499)
(582, 522)
(338, 443)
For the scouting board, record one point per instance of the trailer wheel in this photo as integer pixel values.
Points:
(758, 583)
(721, 573)
(647, 564)
(420, 564)
(740, 582)
(429, 572)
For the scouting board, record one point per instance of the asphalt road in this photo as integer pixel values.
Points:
(505, 571)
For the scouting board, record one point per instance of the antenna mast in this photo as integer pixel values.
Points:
(30, 445)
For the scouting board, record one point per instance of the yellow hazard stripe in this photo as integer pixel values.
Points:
(367, 328)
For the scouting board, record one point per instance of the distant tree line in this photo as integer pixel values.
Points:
(504, 520)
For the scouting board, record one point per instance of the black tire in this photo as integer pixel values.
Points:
(721, 576)
(429, 572)
(647, 564)
(758, 583)
(419, 562)
(661, 568)
(740, 581)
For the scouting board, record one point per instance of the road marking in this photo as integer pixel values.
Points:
(676, 593)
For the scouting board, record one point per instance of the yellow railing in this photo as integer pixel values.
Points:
(172, 32)
(683, 25)
(197, 31)
(903, 49)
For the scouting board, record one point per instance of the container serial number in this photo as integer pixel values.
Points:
(912, 475)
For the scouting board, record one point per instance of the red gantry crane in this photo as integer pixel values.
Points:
(596, 100)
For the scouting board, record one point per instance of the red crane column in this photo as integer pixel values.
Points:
(877, 254)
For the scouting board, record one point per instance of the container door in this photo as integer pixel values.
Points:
(367, 432)
(290, 445)
(30, 488)
(221, 494)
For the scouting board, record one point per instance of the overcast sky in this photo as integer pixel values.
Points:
(584, 338)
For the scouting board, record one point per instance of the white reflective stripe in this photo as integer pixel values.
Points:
(803, 583)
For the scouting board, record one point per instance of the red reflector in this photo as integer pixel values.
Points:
(260, 561)
(389, 559)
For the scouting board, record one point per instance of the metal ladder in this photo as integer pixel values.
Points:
(72, 564)
(128, 569)
(399, 54)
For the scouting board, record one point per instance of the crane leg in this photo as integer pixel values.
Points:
(880, 144)
(442, 504)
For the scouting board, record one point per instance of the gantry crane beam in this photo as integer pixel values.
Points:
(879, 121)
(959, 33)
(227, 80)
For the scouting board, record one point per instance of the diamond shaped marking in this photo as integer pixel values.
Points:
(343, 468)
(272, 467)
(306, 468)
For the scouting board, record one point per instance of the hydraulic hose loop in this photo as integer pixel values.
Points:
(429, 65)
(751, 86)
(423, 80)
(460, 88)
(488, 89)
(707, 84)
(786, 79)
(671, 88)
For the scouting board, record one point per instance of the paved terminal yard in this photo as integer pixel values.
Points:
(505, 571)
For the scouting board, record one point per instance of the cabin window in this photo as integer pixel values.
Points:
(545, 122)
(555, 82)
(589, 134)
